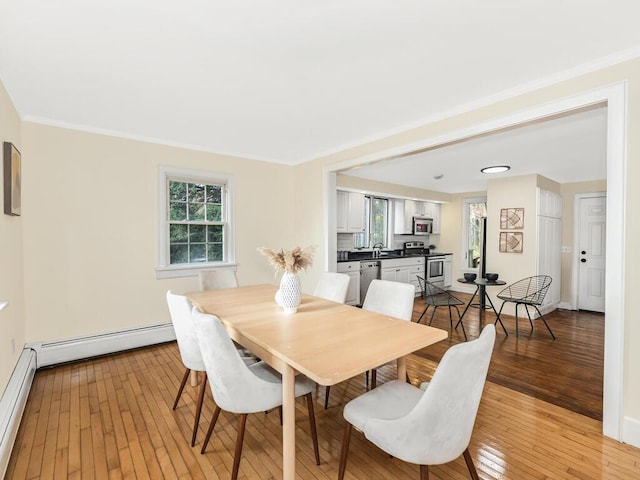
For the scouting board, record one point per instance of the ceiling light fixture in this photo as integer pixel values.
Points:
(496, 169)
(438, 177)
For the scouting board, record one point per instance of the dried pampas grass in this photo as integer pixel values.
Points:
(291, 261)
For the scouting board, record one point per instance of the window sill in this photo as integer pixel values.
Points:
(190, 270)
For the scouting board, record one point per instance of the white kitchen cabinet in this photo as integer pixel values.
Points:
(350, 212)
(549, 243)
(404, 270)
(353, 270)
(448, 270)
(405, 210)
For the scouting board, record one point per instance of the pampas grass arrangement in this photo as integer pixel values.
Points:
(290, 261)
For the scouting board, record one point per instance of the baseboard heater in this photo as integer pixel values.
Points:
(12, 404)
(53, 353)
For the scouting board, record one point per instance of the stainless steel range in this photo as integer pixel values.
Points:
(434, 263)
(415, 249)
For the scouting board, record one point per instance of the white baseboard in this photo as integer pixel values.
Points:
(12, 404)
(631, 431)
(566, 306)
(51, 353)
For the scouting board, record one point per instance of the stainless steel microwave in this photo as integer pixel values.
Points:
(422, 225)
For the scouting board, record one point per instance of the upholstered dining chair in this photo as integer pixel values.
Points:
(435, 297)
(333, 286)
(529, 291)
(388, 298)
(180, 311)
(242, 389)
(216, 279)
(431, 426)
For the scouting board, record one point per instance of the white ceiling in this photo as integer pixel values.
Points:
(291, 80)
(570, 148)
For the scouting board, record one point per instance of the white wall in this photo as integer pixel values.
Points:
(12, 322)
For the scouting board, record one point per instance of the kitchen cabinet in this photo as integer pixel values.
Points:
(404, 270)
(405, 210)
(448, 270)
(353, 270)
(350, 212)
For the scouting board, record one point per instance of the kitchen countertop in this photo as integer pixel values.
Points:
(366, 256)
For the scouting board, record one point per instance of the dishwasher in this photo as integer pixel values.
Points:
(369, 270)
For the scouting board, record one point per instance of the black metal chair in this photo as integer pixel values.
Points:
(529, 291)
(435, 297)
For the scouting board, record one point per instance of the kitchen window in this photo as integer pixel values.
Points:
(473, 211)
(376, 225)
(195, 221)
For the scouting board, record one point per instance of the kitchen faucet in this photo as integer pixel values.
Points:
(377, 247)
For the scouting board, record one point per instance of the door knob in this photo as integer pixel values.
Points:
(583, 260)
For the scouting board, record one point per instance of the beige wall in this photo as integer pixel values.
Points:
(627, 71)
(90, 228)
(12, 322)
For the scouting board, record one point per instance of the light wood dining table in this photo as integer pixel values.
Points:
(328, 342)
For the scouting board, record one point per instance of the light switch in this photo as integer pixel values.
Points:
(566, 249)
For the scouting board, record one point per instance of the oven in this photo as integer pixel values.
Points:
(435, 270)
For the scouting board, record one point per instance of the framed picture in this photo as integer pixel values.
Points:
(511, 242)
(512, 218)
(11, 179)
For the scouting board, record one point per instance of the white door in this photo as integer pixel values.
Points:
(591, 253)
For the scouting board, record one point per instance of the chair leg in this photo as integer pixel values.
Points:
(214, 419)
(546, 324)
(374, 374)
(184, 382)
(459, 322)
(517, 332)
(432, 314)
(425, 311)
(327, 390)
(450, 320)
(526, 308)
(470, 465)
(345, 450)
(424, 472)
(196, 420)
(312, 424)
(242, 422)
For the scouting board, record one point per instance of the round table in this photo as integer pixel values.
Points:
(481, 290)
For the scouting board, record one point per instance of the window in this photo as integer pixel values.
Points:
(474, 210)
(376, 227)
(195, 221)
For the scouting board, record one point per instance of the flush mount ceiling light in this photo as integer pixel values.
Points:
(438, 177)
(496, 169)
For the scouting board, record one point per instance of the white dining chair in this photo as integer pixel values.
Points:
(333, 286)
(180, 311)
(388, 298)
(216, 279)
(431, 426)
(242, 389)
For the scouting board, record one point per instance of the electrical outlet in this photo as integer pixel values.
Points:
(566, 249)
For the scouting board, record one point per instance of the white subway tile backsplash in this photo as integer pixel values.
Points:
(345, 241)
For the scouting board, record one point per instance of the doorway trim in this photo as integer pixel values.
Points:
(615, 98)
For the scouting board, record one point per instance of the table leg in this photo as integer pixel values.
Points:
(467, 307)
(483, 292)
(402, 368)
(288, 424)
(194, 378)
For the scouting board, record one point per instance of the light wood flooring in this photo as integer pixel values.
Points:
(111, 417)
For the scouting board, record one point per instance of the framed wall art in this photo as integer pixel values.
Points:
(512, 218)
(511, 242)
(11, 179)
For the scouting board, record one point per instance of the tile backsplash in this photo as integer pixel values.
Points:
(345, 240)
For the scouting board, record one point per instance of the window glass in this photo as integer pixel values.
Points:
(376, 225)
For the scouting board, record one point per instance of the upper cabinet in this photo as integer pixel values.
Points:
(405, 210)
(350, 212)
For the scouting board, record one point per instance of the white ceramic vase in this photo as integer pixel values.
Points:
(288, 297)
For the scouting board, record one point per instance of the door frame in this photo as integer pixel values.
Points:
(576, 245)
(615, 98)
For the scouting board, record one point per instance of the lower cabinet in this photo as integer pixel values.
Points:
(353, 270)
(405, 270)
(448, 270)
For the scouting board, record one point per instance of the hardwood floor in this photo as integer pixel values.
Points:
(111, 417)
(567, 372)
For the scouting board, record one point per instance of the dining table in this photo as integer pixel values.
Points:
(481, 285)
(328, 342)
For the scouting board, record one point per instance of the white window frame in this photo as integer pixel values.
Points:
(164, 268)
(465, 233)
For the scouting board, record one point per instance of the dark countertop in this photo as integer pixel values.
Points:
(366, 256)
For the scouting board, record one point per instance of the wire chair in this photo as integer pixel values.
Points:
(435, 297)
